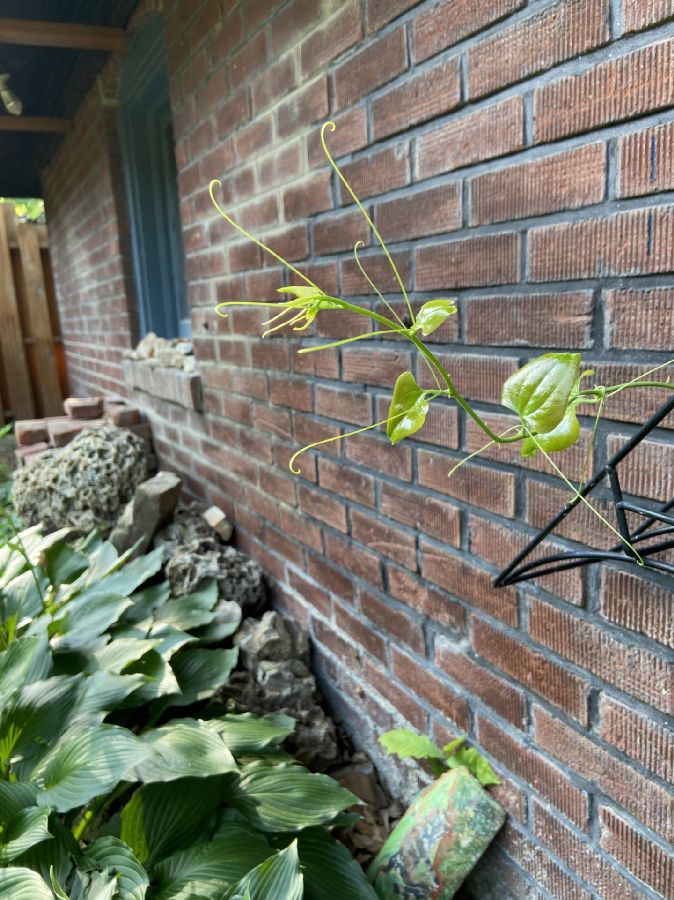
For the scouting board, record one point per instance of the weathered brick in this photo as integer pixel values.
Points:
(292, 21)
(430, 688)
(485, 134)
(451, 21)
(642, 797)
(560, 32)
(350, 134)
(543, 776)
(638, 14)
(433, 517)
(508, 702)
(378, 454)
(644, 675)
(477, 485)
(471, 262)
(276, 81)
(420, 97)
(641, 319)
(543, 320)
(564, 181)
(611, 91)
(637, 853)
(425, 212)
(420, 596)
(379, 172)
(384, 538)
(291, 392)
(346, 481)
(324, 44)
(630, 601)
(476, 377)
(398, 624)
(335, 641)
(331, 579)
(248, 60)
(376, 64)
(344, 405)
(533, 669)
(306, 105)
(30, 431)
(638, 736)
(378, 270)
(636, 242)
(280, 165)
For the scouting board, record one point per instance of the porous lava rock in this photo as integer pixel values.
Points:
(85, 485)
(238, 578)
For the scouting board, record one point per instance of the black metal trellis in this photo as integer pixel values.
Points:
(519, 570)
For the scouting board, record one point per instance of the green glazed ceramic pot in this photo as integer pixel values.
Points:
(438, 841)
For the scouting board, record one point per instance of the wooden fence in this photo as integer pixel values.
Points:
(32, 366)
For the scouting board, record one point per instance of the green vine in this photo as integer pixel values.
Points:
(544, 394)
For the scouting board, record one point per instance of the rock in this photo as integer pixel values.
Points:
(286, 685)
(123, 416)
(163, 353)
(188, 530)
(25, 454)
(83, 407)
(437, 842)
(30, 431)
(361, 779)
(85, 485)
(238, 577)
(271, 639)
(151, 507)
(219, 522)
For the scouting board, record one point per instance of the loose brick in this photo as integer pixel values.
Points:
(566, 29)
(123, 416)
(471, 262)
(640, 14)
(83, 407)
(563, 181)
(370, 68)
(622, 88)
(420, 596)
(419, 98)
(451, 21)
(641, 319)
(637, 853)
(429, 687)
(426, 212)
(380, 367)
(384, 538)
(637, 242)
(543, 776)
(469, 583)
(532, 669)
(360, 632)
(646, 161)
(379, 172)
(406, 705)
(485, 134)
(30, 431)
(398, 624)
(379, 12)
(508, 702)
(642, 797)
(342, 31)
(433, 517)
(63, 430)
(477, 485)
(630, 601)
(541, 320)
(639, 737)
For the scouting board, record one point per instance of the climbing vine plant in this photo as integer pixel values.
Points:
(544, 394)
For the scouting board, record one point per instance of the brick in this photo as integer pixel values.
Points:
(379, 455)
(360, 632)
(406, 705)
(636, 242)
(430, 688)
(541, 320)
(637, 736)
(307, 105)
(276, 81)
(319, 506)
(564, 181)
(379, 12)
(476, 377)
(477, 485)
(376, 64)
(311, 195)
(379, 271)
(346, 481)
(298, 17)
(384, 539)
(640, 319)
(632, 85)
(581, 856)
(418, 595)
(638, 14)
(123, 416)
(291, 392)
(30, 431)
(469, 583)
(637, 853)
(259, 214)
(379, 172)
(350, 134)
(471, 262)
(225, 40)
(398, 624)
(63, 430)
(312, 593)
(566, 29)
(485, 134)
(429, 515)
(543, 776)
(331, 579)
(336, 233)
(508, 702)
(657, 479)
(640, 796)
(280, 166)
(631, 602)
(425, 212)
(28, 452)
(380, 367)
(646, 161)
(421, 97)
(247, 61)
(531, 668)
(344, 405)
(254, 137)
(451, 21)
(342, 31)
(644, 675)
(534, 860)
(344, 650)
(357, 561)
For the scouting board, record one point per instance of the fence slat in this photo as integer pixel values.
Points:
(12, 350)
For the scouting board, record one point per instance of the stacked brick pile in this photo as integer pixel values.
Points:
(34, 436)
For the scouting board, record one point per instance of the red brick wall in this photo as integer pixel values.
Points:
(516, 156)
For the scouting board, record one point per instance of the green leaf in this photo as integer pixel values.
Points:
(23, 884)
(246, 733)
(476, 764)
(159, 678)
(277, 877)
(146, 601)
(25, 660)
(64, 564)
(125, 580)
(432, 314)
(55, 855)
(288, 798)
(539, 392)
(109, 853)
(329, 869)
(190, 610)
(200, 671)
(408, 409)
(86, 619)
(122, 652)
(27, 828)
(405, 743)
(563, 436)
(22, 597)
(183, 749)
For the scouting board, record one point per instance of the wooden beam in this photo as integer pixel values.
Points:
(62, 34)
(34, 123)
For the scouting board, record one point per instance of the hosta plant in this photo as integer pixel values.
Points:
(545, 394)
(115, 782)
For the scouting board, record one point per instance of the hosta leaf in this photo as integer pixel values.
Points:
(25, 660)
(563, 436)
(146, 601)
(102, 693)
(27, 828)
(23, 884)
(190, 610)
(64, 564)
(288, 798)
(85, 620)
(22, 597)
(433, 314)
(122, 652)
(200, 671)
(159, 679)
(83, 765)
(277, 877)
(183, 749)
(128, 578)
(405, 743)
(539, 392)
(408, 409)
(55, 855)
(326, 863)
(246, 733)
(15, 796)
(117, 857)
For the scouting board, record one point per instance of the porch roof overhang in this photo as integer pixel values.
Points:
(52, 50)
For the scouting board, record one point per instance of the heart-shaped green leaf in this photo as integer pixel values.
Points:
(539, 392)
(432, 314)
(564, 435)
(408, 409)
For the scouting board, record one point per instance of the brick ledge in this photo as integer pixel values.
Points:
(174, 385)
